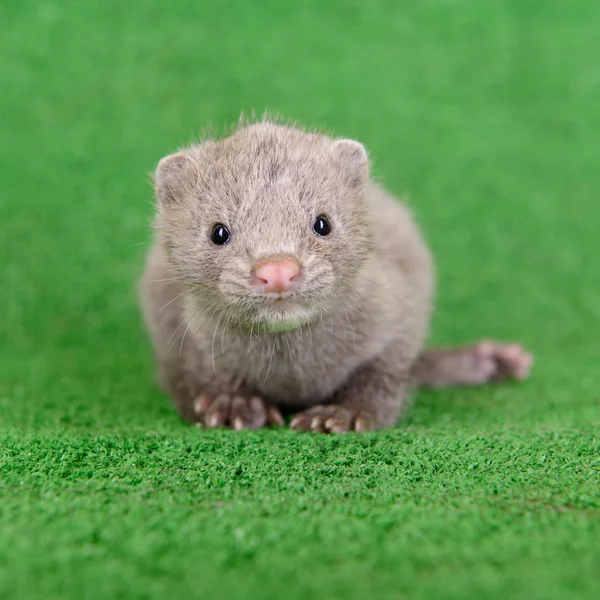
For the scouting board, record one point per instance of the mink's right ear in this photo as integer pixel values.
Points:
(174, 175)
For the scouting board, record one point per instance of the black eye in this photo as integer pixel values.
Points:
(322, 226)
(220, 234)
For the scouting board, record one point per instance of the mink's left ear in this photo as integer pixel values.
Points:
(352, 159)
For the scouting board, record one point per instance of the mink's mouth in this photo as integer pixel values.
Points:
(278, 316)
(281, 325)
(287, 311)
(277, 297)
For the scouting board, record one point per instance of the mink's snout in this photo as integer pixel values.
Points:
(275, 276)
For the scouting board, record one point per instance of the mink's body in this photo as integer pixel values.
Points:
(270, 314)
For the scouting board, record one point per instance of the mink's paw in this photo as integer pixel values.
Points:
(235, 411)
(333, 418)
(495, 361)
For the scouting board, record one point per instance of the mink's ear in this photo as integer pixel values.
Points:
(352, 159)
(174, 175)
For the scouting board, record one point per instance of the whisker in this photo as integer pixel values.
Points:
(162, 280)
(197, 329)
(160, 310)
(223, 333)
(171, 340)
(364, 304)
(352, 330)
(212, 345)
(270, 360)
(229, 318)
(288, 343)
(380, 285)
(309, 344)
(187, 327)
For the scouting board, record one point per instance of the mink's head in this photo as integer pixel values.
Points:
(268, 227)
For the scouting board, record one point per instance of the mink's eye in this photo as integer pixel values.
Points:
(220, 234)
(322, 226)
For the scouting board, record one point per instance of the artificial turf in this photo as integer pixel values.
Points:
(487, 114)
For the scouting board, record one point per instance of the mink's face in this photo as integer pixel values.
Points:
(267, 228)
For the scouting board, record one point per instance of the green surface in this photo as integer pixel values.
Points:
(488, 115)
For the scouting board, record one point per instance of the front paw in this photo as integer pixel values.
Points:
(333, 418)
(236, 411)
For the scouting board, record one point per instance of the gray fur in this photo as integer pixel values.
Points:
(362, 307)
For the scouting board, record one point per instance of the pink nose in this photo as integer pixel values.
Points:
(277, 276)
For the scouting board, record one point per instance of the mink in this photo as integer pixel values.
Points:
(284, 279)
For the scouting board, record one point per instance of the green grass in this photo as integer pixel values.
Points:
(487, 114)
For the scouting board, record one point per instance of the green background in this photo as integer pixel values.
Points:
(487, 115)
